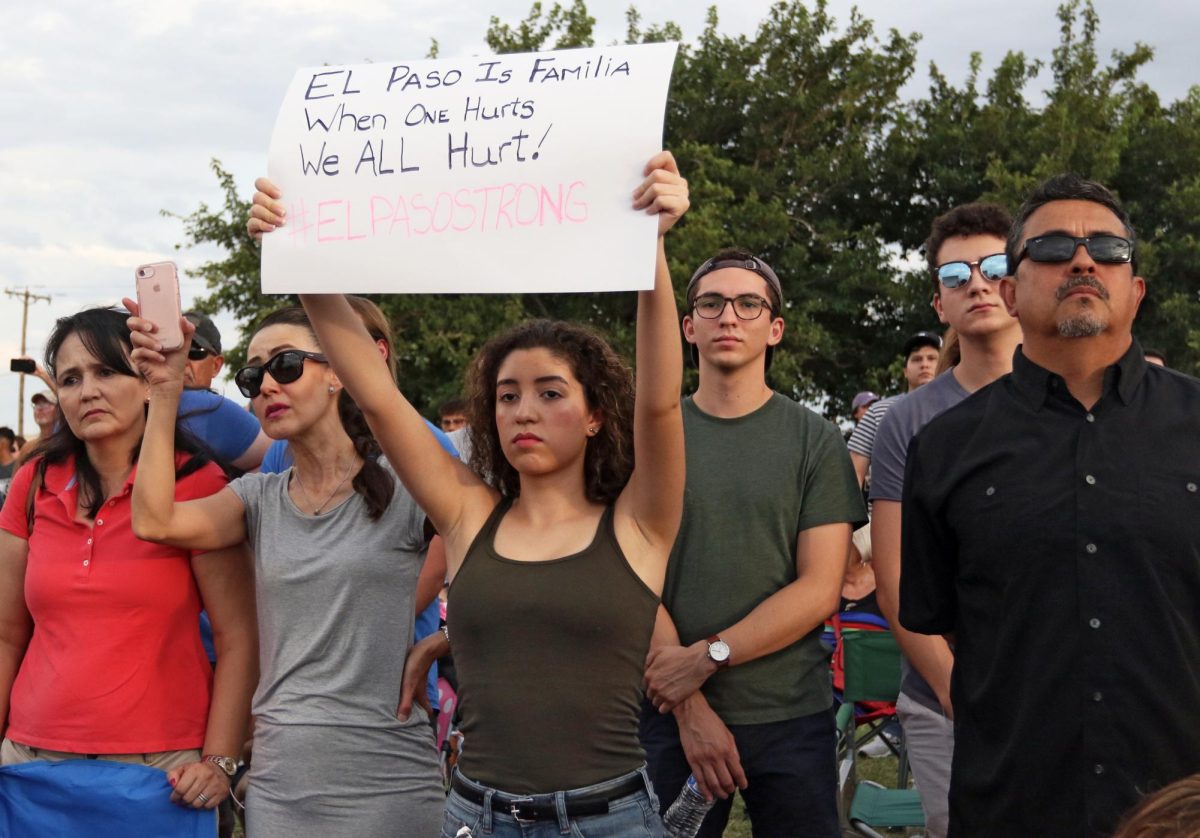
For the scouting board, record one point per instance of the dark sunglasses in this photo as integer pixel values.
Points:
(957, 274)
(198, 353)
(1059, 247)
(285, 368)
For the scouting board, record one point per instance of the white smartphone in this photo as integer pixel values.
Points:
(158, 298)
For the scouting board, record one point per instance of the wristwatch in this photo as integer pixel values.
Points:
(227, 764)
(718, 651)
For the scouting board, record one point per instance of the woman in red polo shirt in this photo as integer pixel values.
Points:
(100, 655)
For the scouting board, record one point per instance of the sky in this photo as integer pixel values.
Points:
(113, 111)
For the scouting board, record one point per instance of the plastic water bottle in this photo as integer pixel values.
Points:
(685, 815)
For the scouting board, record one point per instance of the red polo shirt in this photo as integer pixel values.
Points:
(115, 664)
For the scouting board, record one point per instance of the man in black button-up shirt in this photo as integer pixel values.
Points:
(1052, 529)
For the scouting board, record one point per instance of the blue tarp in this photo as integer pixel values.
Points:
(86, 798)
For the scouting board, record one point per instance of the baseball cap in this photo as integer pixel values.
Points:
(863, 399)
(44, 395)
(922, 339)
(752, 264)
(206, 335)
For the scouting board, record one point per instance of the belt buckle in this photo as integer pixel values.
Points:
(514, 809)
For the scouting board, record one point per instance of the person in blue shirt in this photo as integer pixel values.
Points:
(229, 431)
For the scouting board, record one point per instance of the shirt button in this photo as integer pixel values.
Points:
(99, 522)
(1097, 696)
(1091, 418)
(1191, 487)
(1091, 481)
(1091, 548)
(1098, 768)
(89, 541)
(1094, 622)
(991, 490)
(86, 562)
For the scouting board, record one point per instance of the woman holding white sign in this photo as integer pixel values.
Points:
(556, 562)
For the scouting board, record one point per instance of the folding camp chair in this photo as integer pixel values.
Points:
(872, 673)
(879, 716)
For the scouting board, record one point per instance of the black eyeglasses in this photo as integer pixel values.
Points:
(745, 306)
(285, 367)
(198, 353)
(1059, 247)
(958, 273)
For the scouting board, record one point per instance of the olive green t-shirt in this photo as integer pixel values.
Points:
(753, 483)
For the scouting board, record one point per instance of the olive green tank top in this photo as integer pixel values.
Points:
(550, 658)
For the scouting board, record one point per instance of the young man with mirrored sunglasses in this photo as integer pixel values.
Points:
(1048, 521)
(966, 260)
(738, 688)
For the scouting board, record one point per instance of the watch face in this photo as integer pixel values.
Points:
(226, 764)
(718, 650)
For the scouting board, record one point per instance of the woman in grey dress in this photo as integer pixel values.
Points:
(338, 545)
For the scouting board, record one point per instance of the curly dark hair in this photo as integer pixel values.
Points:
(607, 384)
(966, 220)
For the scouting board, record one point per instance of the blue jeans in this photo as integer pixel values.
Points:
(791, 774)
(633, 816)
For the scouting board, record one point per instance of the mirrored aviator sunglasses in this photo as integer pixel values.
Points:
(957, 274)
(285, 367)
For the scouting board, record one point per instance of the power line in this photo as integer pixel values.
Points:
(26, 297)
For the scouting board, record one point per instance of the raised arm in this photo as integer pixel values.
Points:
(440, 484)
(210, 523)
(654, 495)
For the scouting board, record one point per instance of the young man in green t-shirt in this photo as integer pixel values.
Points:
(737, 683)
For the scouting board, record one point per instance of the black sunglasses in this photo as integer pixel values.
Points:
(198, 353)
(285, 367)
(1059, 247)
(958, 273)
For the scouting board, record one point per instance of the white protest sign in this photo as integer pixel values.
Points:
(508, 173)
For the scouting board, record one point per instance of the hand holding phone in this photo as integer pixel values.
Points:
(158, 300)
(26, 365)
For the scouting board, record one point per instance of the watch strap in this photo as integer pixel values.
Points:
(227, 764)
(716, 638)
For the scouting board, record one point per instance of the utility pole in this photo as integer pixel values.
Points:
(26, 297)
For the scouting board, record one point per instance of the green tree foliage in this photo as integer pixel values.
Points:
(797, 145)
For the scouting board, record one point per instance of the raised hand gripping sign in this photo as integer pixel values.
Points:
(509, 173)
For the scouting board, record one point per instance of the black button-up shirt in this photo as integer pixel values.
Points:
(1061, 548)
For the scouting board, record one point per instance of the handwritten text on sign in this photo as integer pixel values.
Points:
(510, 173)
